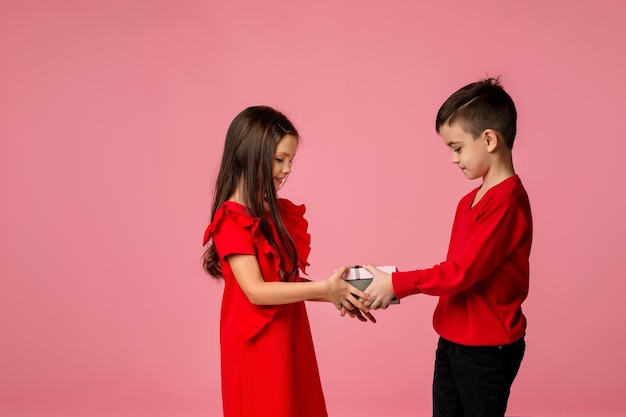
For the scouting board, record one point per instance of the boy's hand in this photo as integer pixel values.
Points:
(380, 290)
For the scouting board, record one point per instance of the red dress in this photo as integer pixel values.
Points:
(268, 361)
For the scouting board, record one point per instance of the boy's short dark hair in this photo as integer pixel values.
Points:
(479, 106)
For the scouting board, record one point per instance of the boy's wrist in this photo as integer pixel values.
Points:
(403, 284)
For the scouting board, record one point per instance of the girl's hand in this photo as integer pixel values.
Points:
(356, 313)
(344, 295)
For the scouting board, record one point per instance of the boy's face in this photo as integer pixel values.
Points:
(283, 157)
(471, 155)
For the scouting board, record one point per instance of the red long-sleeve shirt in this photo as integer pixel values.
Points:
(484, 279)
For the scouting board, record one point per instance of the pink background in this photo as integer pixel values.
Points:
(112, 119)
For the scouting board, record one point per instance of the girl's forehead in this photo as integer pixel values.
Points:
(287, 145)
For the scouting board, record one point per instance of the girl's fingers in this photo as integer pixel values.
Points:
(370, 317)
(356, 303)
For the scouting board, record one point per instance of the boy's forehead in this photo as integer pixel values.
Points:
(456, 137)
(453, 132)
(457, 124)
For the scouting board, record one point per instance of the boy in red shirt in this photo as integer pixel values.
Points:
(484, 279)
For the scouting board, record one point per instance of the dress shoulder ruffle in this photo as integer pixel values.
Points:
(292, 215)
(234, 211)
(297, 225)
(238, 214)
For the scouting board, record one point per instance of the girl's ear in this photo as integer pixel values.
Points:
(491, 139)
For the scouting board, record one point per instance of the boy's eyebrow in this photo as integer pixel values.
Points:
(452, 143)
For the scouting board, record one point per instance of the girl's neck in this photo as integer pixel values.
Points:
(236, 198)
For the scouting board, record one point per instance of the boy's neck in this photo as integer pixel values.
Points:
(492, 179)
(501, 168)
(496, 174)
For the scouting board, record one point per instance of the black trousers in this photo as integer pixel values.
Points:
(474, 381)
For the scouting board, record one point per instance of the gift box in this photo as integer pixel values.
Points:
(361, 278)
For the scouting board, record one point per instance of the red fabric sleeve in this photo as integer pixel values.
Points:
(230, 238)
(498, 229)
(232, 231)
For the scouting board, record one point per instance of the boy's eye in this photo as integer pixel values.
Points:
(456, 150)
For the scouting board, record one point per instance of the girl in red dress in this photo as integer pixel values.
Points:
(258, 243)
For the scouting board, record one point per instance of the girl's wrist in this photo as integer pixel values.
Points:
(326, 289)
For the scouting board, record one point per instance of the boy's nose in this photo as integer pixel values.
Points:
(455, 158)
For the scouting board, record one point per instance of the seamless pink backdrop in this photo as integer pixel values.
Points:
(112, 119)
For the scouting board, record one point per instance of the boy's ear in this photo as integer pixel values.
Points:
(491, 139)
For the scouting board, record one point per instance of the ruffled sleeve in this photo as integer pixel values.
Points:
(297, 225)
(232, 231)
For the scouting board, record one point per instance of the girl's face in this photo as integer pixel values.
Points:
(283, 158)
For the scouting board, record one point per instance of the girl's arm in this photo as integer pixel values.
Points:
(333, 289)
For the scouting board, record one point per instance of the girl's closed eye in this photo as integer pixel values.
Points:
(281, 160)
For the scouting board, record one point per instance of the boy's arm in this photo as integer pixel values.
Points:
(502, 225)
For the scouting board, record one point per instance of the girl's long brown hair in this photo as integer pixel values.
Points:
(247, 161)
